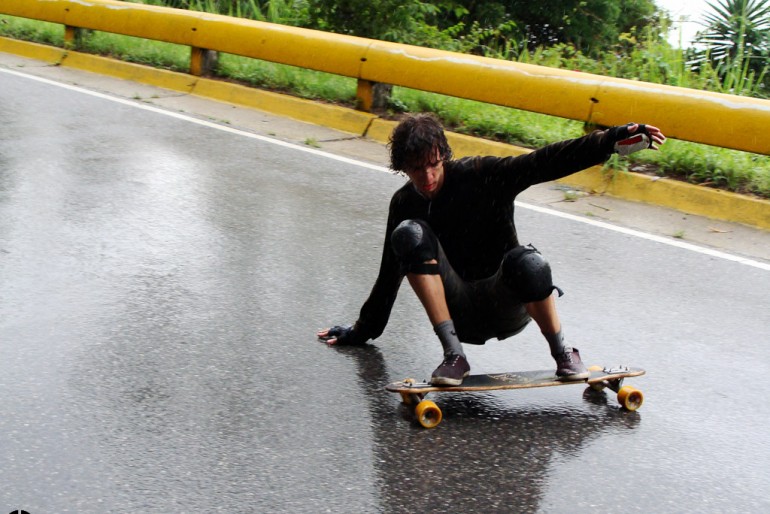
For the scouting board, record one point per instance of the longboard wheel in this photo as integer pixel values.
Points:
(597, 386)
(428, 414)
(410, 398)
(630, 398)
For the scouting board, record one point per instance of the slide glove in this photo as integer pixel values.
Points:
(626, 143)
(345, 335)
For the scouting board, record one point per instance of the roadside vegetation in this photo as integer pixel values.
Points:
(732, 56)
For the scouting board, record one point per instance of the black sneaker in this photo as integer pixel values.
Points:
(452, 371)
(569, 366)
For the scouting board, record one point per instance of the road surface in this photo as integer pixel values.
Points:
(162, 276)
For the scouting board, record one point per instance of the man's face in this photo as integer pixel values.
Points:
(428, 177)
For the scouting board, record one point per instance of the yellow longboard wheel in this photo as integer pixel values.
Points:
(630, 398)
(428, 414)
(598, 386)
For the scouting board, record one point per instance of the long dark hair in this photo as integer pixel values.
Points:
(414, 142)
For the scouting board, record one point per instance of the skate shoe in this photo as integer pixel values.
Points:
(569, 366)
(451, 371)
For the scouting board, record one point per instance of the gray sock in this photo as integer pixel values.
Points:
(556, 342)
(448, 337)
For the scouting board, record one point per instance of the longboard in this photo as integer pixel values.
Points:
(429, 415)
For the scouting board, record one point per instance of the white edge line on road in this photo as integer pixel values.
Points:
(650, 237)
(543, 210)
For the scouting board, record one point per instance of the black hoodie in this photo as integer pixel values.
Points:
(472, 214)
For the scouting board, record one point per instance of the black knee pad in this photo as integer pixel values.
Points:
(527, 272)
(414, 244)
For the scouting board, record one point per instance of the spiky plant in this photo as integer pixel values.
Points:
(736, 44)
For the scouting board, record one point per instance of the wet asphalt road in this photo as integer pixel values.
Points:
(161, 281)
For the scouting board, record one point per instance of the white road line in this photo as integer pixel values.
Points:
(543, 210)
(650, 237)
(205, 123)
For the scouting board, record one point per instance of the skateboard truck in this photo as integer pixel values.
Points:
(629, 397)
(616, 369)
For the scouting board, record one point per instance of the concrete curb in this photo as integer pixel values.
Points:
(681, 196)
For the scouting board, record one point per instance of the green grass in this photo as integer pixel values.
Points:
(732, 170)
(137, 50)
(309, 84)
(698, 164)
(31, 30)
(489, 121)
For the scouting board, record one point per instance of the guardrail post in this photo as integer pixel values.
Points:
(364, 95)
(372, 95)
(73, 36)
(203, 62)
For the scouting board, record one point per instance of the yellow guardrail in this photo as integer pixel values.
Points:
(711, 118)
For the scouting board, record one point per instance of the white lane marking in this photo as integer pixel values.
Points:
(543, 210)
(650, 237)
(205, 123)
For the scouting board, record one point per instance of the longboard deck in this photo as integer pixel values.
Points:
(428, 414)
(514, 380)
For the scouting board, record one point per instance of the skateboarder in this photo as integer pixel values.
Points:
(451, 233)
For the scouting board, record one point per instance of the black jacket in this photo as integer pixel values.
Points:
(472, 215)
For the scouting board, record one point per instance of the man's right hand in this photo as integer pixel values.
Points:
(340, 334)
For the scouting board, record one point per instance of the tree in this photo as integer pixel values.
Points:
(278, 11)
(734, 26)
(479, 26)
(592, 26)
(736, 43)
(378, 19)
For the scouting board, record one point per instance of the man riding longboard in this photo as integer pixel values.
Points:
(451, 233)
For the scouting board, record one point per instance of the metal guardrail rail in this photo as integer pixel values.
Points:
(703, 117)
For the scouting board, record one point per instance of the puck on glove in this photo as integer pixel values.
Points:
(633, 144)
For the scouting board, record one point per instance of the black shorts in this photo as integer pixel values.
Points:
(481, 309)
